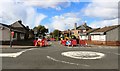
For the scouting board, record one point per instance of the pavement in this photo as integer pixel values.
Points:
(16, 46)
(50, 57)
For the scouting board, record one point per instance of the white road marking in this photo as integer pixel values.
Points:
(67, 62)
(83, 54)
(14, 55)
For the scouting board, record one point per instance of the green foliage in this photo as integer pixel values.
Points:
(56, 33)
(73, 37)
(41, 30)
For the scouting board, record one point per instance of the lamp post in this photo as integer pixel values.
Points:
(69, 32)
(68, 29)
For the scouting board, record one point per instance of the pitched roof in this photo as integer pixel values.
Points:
(91, 30)
(8, 26)
(107, 28)
(83, 27)
(20, 23)
(65, 32)
(16, 28)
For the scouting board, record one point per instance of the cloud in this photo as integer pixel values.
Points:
(55, 4)
(64, 21)
(41, 3)
(33, 18)
(102, 23)
(39, 18)
(105, 9)
(11, 11)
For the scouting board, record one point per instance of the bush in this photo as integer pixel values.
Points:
(73, 37)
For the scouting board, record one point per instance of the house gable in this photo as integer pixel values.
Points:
(18, 24)
(19, 27)
(83, 27)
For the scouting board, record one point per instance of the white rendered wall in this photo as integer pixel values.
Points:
(83, 37)
(5, 35)
(98, 37)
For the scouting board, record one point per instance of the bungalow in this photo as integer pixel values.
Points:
(108, 35)
(86, 35)
(20, 31)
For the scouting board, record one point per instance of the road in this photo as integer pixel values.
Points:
(51, 58)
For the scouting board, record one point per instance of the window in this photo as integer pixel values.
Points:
(84, 30)
(72, 32)
(15, 35)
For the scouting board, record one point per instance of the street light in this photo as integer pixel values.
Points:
(68, 29)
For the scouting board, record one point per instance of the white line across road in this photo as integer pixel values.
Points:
(49, 57)
(14, 55)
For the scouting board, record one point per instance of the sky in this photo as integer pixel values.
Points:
(60, 14)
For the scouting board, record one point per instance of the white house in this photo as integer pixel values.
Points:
(108, 35)
(86, 35)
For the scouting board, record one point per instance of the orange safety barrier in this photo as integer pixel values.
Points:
(41, 43)
(83, 42)
(74, 42)
(63, 42)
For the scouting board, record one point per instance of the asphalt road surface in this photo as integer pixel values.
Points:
(51, 58)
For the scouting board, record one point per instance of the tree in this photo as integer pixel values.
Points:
(41, 30)
(56, 33)
(51, 34)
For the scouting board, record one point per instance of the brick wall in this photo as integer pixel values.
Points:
(110, 43)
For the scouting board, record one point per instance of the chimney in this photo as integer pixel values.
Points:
(20, 21)
(75, 26)
(85, 24)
